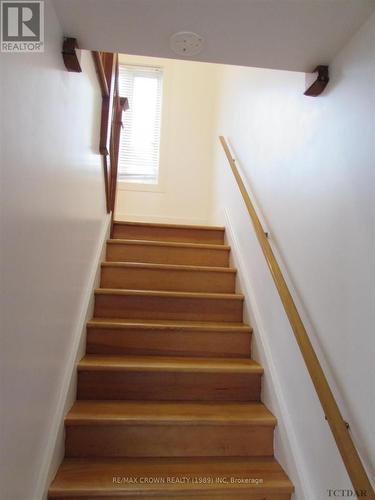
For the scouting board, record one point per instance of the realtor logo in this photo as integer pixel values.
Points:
(22, 26)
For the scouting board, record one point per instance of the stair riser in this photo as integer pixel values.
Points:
(174, 308)
(171, 280)
(168, 343)
(122, 252)
(176, 234)
(168, 386)
(168, 441)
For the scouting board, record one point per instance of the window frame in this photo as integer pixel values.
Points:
(127, 185)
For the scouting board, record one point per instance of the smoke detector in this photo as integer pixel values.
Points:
(186, 43)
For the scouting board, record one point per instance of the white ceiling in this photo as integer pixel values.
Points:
(281, 34)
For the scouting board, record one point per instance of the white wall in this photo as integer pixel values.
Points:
(52, 219)
(186, 153)
(311, 163)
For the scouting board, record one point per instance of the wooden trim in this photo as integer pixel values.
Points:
(98, 61)
(115, 134)
(317, 81)
(70, 56)
(106, 180)
(109, 64)
(106, 65)
(341, 434)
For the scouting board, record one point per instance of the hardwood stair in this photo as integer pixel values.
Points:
(168, 398)
(151, 304)
(158, 252)
(171, 478)
(160, 429)
(167, 277)
(164, 378)
(169, 232)
(163, 338)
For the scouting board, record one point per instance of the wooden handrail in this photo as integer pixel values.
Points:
(107, 68)
(99, 65)
(120, 104)
(340, 431)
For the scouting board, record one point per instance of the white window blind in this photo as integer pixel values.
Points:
(140, 137)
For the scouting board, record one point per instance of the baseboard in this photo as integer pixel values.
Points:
(54, 451)
(301, 482)
(165, 220)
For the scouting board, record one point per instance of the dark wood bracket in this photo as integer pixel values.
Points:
(124, 103)
(69, 53)
(317, 81)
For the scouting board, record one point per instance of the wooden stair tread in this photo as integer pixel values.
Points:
(167, 225)
(172, 267)
(93, 477)
(168, 413)
(162, 293)
(170, 364)
(119, 323)
(156, 243)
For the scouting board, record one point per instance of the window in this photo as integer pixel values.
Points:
(140, 137)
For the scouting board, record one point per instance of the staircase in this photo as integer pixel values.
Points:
(168, 399)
